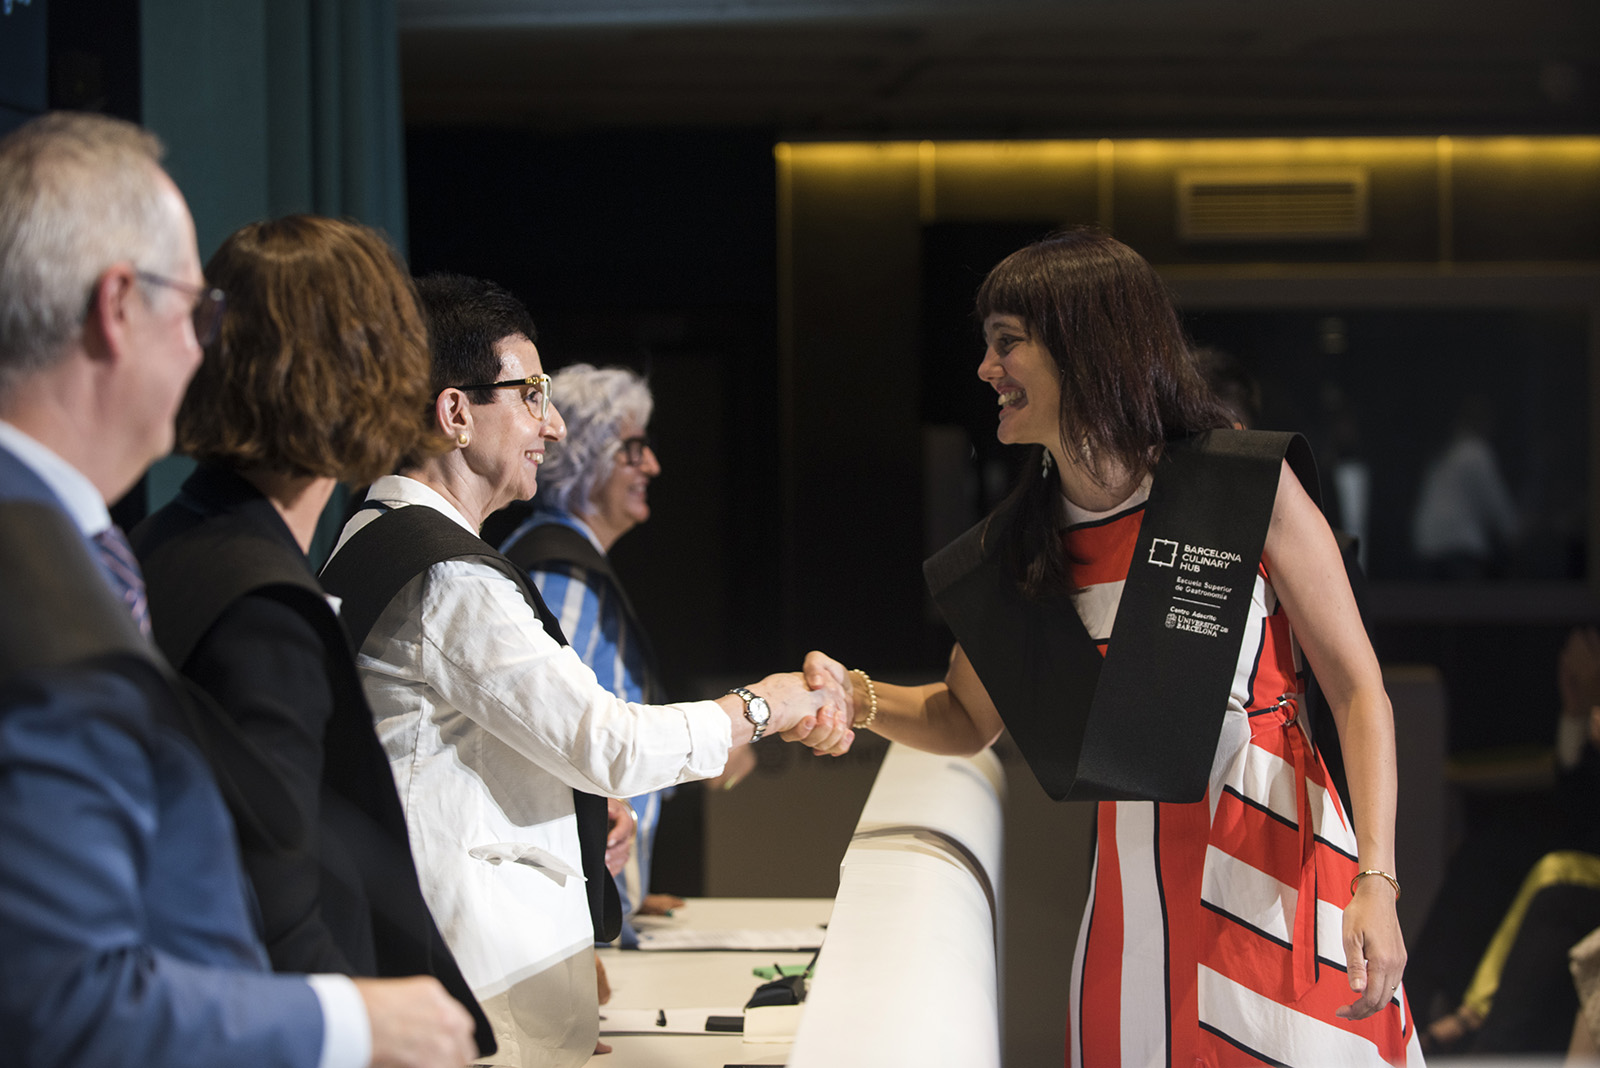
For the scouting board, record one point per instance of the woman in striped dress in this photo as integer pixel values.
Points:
(1257, 925)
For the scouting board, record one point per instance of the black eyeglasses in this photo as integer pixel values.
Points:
(209, 304)
(537, 398)
(632, 449)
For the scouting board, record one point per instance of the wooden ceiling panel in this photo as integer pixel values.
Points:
(1073, 68)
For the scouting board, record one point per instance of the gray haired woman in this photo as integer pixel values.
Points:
(593, 489)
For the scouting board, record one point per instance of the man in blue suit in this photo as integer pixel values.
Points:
(126, 930)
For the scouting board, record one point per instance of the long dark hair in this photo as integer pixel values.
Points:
(1128, 380)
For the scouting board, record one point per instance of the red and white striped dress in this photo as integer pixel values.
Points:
(1194, 948)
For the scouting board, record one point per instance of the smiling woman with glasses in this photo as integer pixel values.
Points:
(505, 743)
(536, 392)
(1242, 916)
(632, 450)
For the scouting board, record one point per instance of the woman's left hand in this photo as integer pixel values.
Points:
(824, 725)
(1373, 948)
(619, 836)
(660, 904)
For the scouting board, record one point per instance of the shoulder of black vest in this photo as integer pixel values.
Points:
(557, 543)
(195, 575)
(381, 558)
(549, 542)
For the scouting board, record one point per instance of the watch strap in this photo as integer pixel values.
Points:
(744, 694)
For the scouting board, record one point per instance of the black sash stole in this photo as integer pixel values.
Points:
(1141, 723)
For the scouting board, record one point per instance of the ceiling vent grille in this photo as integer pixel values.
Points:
(1278, 204)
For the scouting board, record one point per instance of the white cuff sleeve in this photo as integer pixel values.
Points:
(710, 738)
(346, 1032)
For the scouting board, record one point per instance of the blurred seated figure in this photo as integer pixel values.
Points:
(315, 378)
(1522, 998)
(1465, 518)
(1506, 854)
(594, 488)
(501, 740)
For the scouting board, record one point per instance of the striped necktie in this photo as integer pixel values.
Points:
(126, 578)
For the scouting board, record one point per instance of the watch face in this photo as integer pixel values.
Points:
(758, 710)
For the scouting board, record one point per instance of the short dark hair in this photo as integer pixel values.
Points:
(467, 318)
(322, 360)
(1128, 380)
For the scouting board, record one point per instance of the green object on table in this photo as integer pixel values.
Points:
(780, 971)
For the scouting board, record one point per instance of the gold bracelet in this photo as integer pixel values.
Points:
(1381, 874)
(872, 700)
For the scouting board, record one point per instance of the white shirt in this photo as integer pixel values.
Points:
(1464, 506)
(346, 1032)
(489, 725)
(71, 486)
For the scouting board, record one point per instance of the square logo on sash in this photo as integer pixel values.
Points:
(1163, 553)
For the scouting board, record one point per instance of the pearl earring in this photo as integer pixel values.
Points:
(461, 439)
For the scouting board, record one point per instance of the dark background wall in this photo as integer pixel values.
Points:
(633, 176)
(807, 339)
(69, 55)
(780, 211)
(652, 249)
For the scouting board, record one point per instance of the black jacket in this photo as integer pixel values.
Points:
(236, 608)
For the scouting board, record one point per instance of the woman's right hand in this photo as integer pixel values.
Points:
(821, 670)
(817, 718)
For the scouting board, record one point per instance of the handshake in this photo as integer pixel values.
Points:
(814, 707)
(415, 1024)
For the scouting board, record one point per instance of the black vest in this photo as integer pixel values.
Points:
(549, 543)
(213, 547)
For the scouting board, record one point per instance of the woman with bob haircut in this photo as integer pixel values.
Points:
(1193, 948)
(315, 378)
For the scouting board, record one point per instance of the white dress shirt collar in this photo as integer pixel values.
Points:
(400, 489)
(71, 486)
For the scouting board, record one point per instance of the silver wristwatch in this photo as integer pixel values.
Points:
(755, 710)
